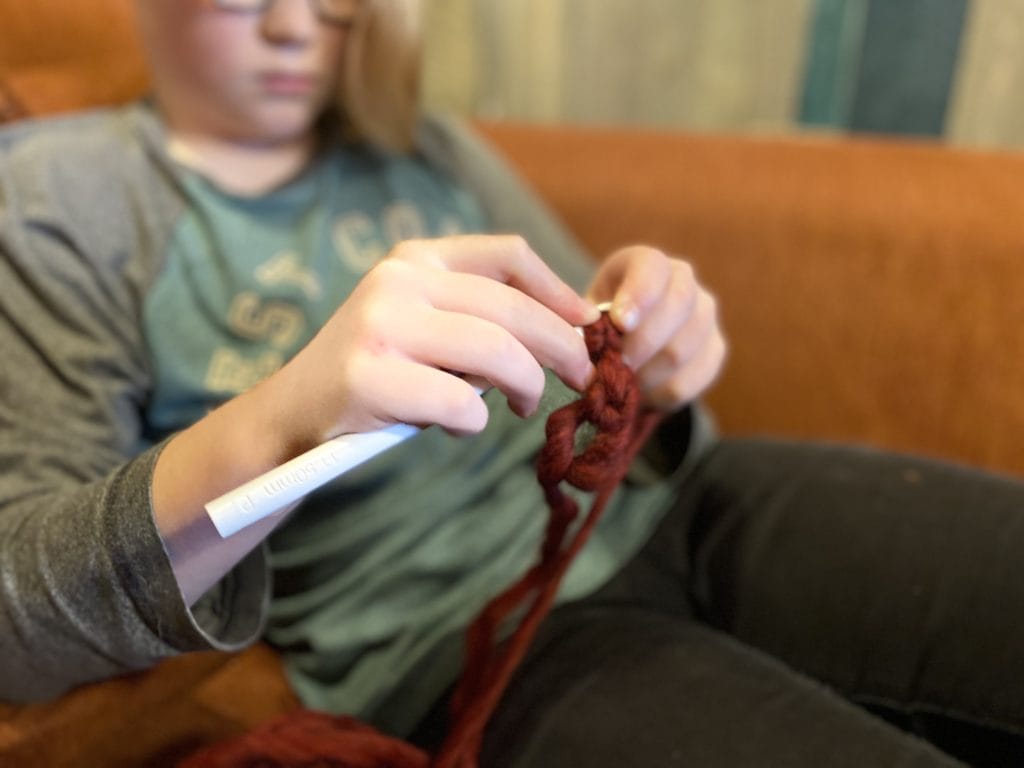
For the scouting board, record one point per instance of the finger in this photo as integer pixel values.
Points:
(508, 259)
(549, 338)
(633, 279)
(475, 346)
(667, 320)
(404, 391)
(691, 381)
(682, 345)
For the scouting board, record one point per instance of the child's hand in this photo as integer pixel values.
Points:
(673, 340)
(486, 307)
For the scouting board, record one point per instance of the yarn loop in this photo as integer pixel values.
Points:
(611, 407)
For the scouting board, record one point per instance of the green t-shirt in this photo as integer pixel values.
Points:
(377, 570)
(137, 296)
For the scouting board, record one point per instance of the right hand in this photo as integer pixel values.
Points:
(431, 315)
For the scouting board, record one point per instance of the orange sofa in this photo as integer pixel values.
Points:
(869, 289)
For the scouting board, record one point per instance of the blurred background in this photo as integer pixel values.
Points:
(949, 69)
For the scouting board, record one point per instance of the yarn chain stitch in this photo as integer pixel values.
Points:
(620, 425)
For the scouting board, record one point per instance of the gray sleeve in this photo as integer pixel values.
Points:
(86, 588)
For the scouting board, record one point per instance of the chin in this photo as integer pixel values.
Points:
(279, 124)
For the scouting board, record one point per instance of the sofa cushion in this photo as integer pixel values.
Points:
(151, 718)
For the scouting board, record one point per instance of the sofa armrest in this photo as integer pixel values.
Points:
(870, 289)
(151, 718)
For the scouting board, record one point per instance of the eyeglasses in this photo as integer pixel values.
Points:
(332, 11)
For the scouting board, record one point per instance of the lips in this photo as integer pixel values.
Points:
(289, 84)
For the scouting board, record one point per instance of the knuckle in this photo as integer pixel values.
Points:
(640, 348)
(677, 352)
(685, 272)
(709, 305)
(517, 244)
(649, 252)
(680, 293)
(354, 378)
(372, 335)
(392, 278)
(535, 383)
(648, 258)
(512, 247)
(401, 251)
(505, 346)
(370, 328)
(530, 382)
(383, 274)
(457, 404)
(680, 389)
(411, 245)
(581, 359)
(464, 410)
(721, 350)
(411, 251)
(705, 314)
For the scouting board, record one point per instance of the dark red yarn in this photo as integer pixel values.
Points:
(308, 739)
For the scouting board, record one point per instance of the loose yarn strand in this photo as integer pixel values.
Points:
(611, 403)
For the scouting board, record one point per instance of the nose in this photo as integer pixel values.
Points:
(289, 22)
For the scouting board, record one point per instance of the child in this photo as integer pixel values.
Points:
(200, 287)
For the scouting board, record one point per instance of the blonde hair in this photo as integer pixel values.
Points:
(379, 84)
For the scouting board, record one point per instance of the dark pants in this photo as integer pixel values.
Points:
(802, 606)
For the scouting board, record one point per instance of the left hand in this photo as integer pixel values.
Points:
(670, 321)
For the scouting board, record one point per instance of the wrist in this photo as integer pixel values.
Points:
(277, 413)
(235, 442)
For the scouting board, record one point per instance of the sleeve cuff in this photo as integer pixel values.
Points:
(229, 617)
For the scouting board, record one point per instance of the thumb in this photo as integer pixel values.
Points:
(632, 280)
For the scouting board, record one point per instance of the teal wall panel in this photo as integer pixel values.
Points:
(907, 65)
(835, 40)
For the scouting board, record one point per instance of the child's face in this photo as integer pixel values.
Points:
(243, 76)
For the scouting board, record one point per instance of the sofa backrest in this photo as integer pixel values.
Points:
(870, 289)
(62, 55)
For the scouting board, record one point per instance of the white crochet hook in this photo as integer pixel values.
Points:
(273, 490)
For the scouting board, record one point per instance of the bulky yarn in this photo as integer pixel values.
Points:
(611, 405)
